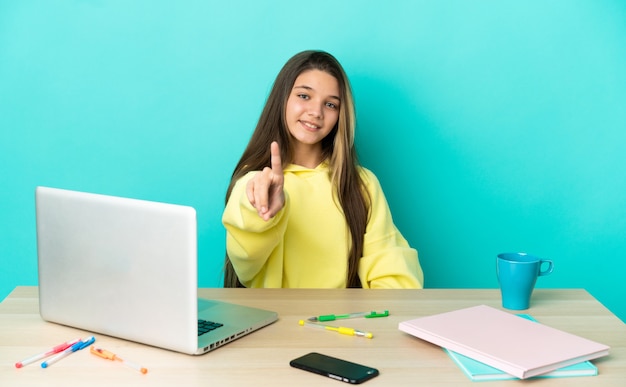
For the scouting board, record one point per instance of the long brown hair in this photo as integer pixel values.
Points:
(338, 148)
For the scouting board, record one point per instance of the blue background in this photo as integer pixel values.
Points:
(493, 125)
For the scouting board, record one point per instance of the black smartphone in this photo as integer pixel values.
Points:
(334, 368)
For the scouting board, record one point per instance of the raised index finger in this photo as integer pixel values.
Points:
(277, 166)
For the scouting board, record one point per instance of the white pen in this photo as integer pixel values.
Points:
(76, 347)
(54, 350)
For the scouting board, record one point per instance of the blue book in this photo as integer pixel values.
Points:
(478, 371)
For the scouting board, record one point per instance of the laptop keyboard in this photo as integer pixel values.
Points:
(205, 326)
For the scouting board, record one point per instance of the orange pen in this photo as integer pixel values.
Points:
(103, 353)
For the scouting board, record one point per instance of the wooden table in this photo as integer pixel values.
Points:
(262, 358)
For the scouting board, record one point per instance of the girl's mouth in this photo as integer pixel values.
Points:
(310, 125)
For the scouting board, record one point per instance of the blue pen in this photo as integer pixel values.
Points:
(76, 347)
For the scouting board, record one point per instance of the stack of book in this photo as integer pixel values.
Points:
(490, 344)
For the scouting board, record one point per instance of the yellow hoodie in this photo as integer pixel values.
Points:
(306, 244)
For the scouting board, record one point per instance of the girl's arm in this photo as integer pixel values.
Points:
(388, 261)
(250, 239)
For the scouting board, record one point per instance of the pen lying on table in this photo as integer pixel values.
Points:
(332, 317)
(103, 353)
(342, 330)
(76, 347)
(54, 350)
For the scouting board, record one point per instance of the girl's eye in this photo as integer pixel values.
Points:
(331, 105)
(303, 96)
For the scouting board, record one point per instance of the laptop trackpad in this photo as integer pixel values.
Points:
(205, 304)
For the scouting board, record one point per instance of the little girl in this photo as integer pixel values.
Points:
(300, 210)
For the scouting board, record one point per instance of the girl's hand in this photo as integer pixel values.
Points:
(265, 190)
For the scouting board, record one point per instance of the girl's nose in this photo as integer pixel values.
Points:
(315, 110)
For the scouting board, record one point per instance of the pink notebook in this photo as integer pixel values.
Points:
(502, 340)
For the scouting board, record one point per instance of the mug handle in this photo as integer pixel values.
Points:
(549, 269)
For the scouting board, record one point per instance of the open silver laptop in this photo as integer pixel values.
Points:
(128, 268)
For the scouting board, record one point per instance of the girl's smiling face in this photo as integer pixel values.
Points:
(312, 109)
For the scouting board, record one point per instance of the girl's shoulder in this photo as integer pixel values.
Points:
(369, 178)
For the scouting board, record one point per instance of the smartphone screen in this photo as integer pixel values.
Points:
(334, 368)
